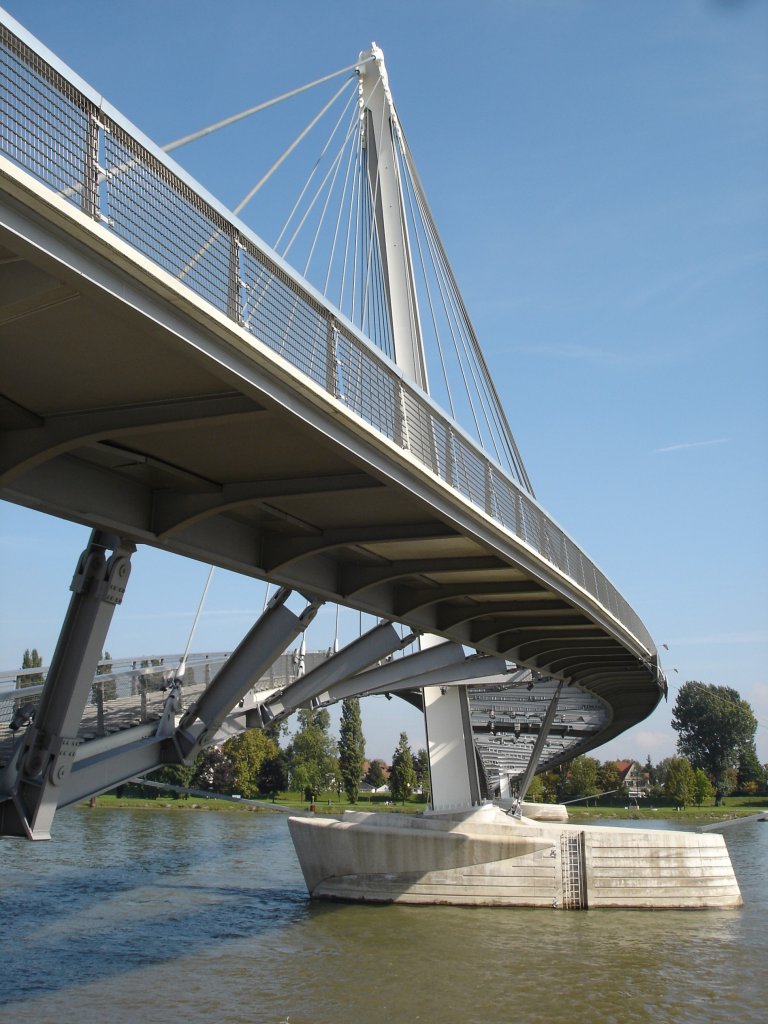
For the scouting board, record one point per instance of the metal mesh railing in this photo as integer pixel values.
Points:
(45, 123)
(61, 137)
(131, 692)
(124, 693)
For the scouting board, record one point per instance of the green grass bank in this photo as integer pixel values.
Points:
(733, 807)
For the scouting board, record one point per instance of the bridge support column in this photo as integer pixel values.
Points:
(31, 784)
(450, 746)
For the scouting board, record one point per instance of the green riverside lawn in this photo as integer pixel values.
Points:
(733, 807)
(327, 803)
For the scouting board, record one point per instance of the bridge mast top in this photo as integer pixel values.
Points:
(381, 134)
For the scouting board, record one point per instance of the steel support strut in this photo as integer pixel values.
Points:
(103, 763)
(375, 645)
(536, 753)
(262, 646)
(31, 785)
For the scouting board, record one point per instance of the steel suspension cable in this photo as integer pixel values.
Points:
(311, 175)
(455, 318)
(453, 326)
(183, 663)
(345, 261)
(509, 437)
(287, 152)
(335, 166)
(361, 174)
(330, 173)
(177, 143)
(352, 154)
(409, 193)
(446, 290)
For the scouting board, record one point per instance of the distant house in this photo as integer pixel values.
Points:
(634, 778)
(366, 787)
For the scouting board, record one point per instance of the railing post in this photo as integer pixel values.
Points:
(234, 302)
(401, 419)
(331, 375)
(143, 698)
(489, 490)
(449, 458)
(90, 196)
(98, 693)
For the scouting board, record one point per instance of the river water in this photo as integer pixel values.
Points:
(145, 916)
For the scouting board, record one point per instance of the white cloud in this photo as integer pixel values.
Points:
(691, 444)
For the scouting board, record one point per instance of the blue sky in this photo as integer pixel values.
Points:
(598, 170)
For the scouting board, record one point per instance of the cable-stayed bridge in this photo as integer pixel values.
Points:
(168, 379)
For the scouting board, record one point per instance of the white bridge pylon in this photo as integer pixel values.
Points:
(452, 759)
(380, 130)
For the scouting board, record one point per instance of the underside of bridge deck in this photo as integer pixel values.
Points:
(129, 406)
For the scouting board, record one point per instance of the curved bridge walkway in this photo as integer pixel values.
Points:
(168, 380)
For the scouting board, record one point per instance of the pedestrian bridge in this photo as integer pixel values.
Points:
(168, 380)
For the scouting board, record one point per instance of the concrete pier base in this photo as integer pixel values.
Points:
(484, 857)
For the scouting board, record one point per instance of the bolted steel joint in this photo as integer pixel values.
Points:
(101, 577)
(118, 571)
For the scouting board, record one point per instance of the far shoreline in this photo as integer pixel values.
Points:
(290, 804)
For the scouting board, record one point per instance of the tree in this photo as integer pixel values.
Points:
(31, 659)
(702, 787)
(535, 794)
(312, 753)
(247, 754)
(273, 776)
(376, 776)
(174, 775)
(351, 748)
(402, 777)
(421, 767)
(213, 771)
(679, 784)
(751, 774)
(714, 724)
(583, 776)
(608, 777)
(552, 785)
(321, 717)
(661, 770)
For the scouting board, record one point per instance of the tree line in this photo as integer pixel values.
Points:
(313, 763)
(257, 764)
(716, 756)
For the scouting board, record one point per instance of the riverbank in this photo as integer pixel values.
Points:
(735, 807)
(293, 803)
(284, 803)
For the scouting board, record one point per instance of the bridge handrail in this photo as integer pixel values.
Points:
(57, 129)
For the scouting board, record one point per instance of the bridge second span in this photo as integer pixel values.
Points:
(148, 394)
